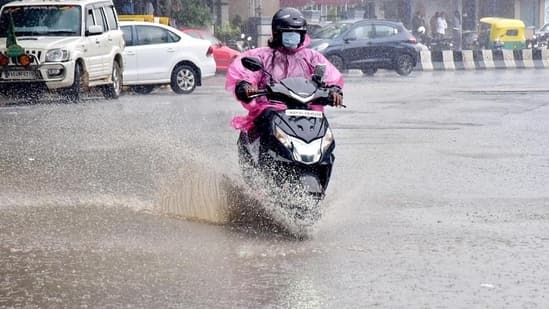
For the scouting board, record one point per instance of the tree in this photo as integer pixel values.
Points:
(191, 13)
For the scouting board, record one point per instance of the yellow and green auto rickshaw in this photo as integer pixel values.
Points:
(501, 33)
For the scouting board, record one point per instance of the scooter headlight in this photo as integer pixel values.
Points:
(306, 153)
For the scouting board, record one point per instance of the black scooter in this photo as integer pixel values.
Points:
(292, 148)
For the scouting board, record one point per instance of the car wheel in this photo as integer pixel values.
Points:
(404, 64)
(143, 89)
(113, 90)
(184, 79)
(74, 92)
(337, 62)
(369, 71)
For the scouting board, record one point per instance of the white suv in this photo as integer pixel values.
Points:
(66, 45)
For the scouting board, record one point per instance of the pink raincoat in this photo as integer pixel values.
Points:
(281, 63)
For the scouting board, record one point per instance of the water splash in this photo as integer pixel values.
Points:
(199, 192)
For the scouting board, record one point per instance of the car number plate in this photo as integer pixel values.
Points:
(303, 113)
(19, 75)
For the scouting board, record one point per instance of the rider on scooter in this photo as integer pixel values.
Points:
(286, 56)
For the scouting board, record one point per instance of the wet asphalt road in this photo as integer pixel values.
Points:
(439, 199)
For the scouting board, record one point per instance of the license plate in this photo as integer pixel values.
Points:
(19, 75)
(303, 113)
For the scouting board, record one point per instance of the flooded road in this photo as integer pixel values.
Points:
(438, 198)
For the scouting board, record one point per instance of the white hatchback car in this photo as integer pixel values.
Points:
(157, 54)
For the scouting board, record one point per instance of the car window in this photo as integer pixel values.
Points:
(100, 18)
(154, 35)
(211, 38)
(111, 17)
(362, 32)
(172, 37)
(46, 20)
(90, 20)
(128, 35)
(332, 31)
(512, 32)
(384, 31)
(194, 34)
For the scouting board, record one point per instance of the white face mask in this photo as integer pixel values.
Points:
(290, 40)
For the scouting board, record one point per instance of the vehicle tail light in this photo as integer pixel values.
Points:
(25, 60)
(4, 60)
(210, 51)
(412, 40)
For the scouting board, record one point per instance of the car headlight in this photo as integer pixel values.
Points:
(57, 55)
(321, 46)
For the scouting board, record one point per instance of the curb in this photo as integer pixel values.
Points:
(448, 60)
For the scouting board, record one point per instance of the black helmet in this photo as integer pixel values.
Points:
(288, 19)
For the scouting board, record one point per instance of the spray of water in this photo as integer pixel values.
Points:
(199, 192)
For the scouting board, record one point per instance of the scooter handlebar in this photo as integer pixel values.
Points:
(323, 96)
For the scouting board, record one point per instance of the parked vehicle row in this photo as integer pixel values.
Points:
(71, 46)
(540, 39)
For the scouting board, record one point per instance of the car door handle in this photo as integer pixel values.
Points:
(130, 53)
(170, 50)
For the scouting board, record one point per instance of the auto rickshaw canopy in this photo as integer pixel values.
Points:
(509, 33)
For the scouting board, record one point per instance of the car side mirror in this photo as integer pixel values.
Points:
(94, 30)
(251, 63)
(350, 37)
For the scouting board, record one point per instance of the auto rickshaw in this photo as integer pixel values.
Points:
(501, 33)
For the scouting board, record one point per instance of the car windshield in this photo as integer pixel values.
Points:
(45, 20)
(332, 31)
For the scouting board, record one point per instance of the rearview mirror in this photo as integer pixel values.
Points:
(319, 71)
(251, 63)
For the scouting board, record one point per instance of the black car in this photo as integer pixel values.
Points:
(368, 45)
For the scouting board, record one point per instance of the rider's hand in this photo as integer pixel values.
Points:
(244, 90)
(251, 90)
(336, 98)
